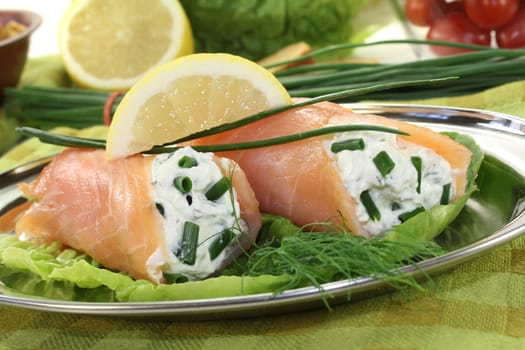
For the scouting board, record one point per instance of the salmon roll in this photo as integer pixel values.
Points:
(180, 215)
(368, 181)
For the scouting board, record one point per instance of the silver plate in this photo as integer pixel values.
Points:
(501, 136)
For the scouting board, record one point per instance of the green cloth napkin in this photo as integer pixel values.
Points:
(479, 304)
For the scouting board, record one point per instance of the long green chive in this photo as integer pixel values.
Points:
(218, 189)
(219, 243)
(348, 145)
(445, 195)
(72, 141)
(187, 162)
(370, 206)
(384, 163)
(190, 239)
(418, 164)
(183, 184)
(405, 216)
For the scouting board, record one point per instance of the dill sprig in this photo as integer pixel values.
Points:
(315, 258)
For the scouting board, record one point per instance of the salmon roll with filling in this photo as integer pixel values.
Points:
(368, 181)
(153, 217)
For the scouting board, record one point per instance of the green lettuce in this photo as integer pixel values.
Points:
(255, 29)
(429, 224)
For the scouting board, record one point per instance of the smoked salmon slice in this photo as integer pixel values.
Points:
(301, 180)
(127, 214)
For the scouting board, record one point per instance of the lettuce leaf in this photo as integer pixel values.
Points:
(429, 224)
(44, 271)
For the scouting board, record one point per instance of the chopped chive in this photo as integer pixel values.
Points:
(218, 189)
(183, 184)
(384, 163)
(187, 162)
(370, 206)
(445, 195)
(395, 206)
(348, 145)
(405, 216)
(218, 245)
(160, 208)
(188, 247)
(175, 278)
(417, 163)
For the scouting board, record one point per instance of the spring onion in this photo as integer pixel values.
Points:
(187, 162)
(370, 206)
(384, 163)
(405, 216)
(217, 246)
(49, 107)
(72, 141)
(445, 195)
(218, 189)
(160, 208)
(348, 145)
(188, 247)
(183, 184)
(417, 163)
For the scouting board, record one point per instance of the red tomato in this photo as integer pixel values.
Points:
(512, 34)
(491, 14)
(457, 27)
(424, 12)
(454, 6)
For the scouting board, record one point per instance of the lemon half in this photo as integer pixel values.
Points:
(187, 95)
(110, 44)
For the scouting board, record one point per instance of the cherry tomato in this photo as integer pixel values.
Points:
(457, 27)
(424, 12)
(454, 6)
(491, 14)
(512, 34)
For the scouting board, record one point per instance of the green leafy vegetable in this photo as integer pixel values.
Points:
(429, 224)
(255, 29)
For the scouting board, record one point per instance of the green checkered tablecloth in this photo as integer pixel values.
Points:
(479, 304)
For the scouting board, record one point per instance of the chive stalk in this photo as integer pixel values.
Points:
(405, 216)
(72, 141)
(218, 244)
(350, 82)
(187, 162)
(418, 164)
(370, 206)
(218, 189)
(183, 184)
(348, 145)
(384, 163)
(188, 246)
(445, 195)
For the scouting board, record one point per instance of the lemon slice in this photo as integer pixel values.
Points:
(187, 95)
(110, 44)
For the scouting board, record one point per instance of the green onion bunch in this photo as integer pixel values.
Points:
(477, 70)
(474, 71)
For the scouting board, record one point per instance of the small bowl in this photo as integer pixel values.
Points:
(13, 50)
